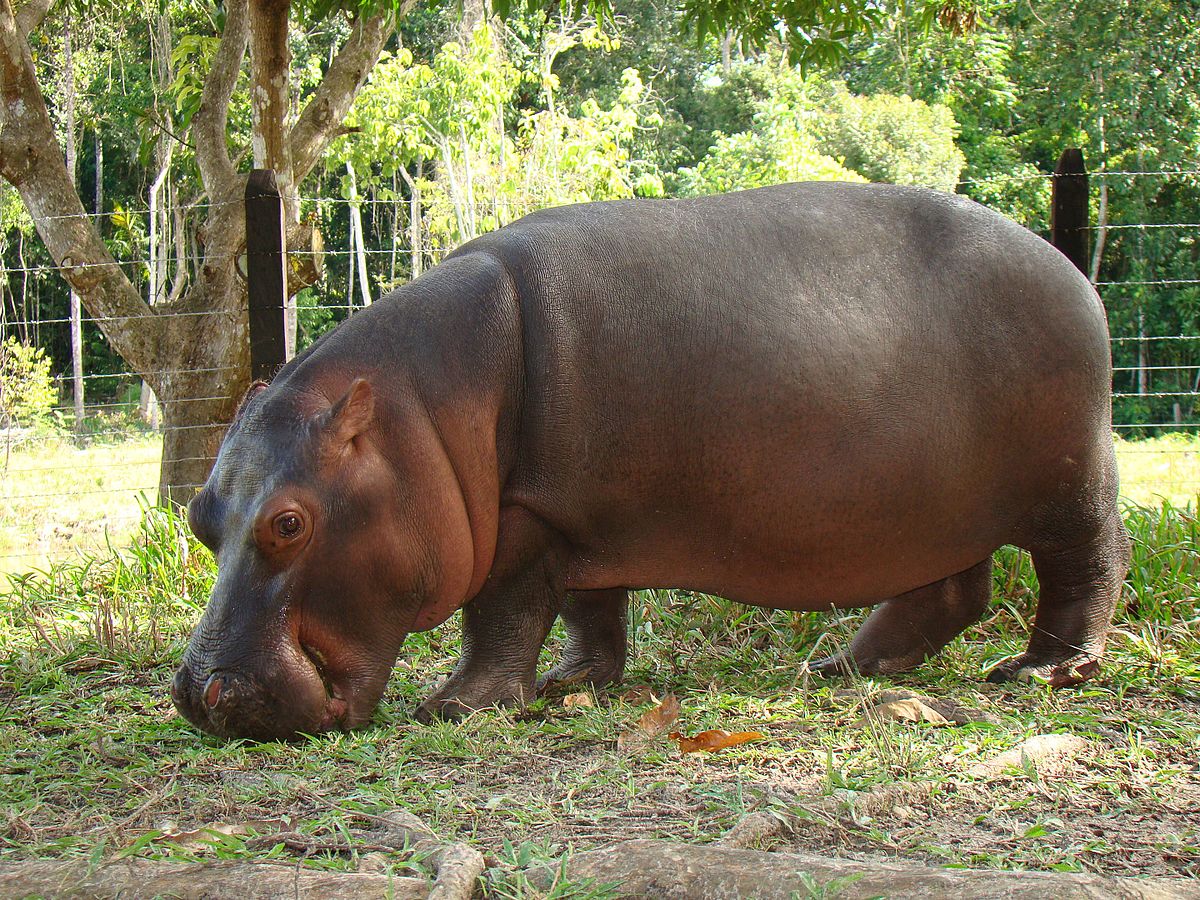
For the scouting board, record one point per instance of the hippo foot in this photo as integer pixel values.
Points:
(832, 666)
(595, 672)
(449, 704)
(847, 664)
(1062, 673)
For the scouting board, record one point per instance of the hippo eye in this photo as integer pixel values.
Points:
(288, 525)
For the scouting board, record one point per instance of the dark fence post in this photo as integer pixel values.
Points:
(266, 274)
(1069, 208)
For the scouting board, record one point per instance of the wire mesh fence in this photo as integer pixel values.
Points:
(59, 486)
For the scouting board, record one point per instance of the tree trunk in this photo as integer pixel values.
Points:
(358, 244)
(136, 879)
(194, 353)
(1102, 210)
(99, 203)
(645, 868)
(414, 218)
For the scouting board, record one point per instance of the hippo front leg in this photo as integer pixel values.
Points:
(503, 629)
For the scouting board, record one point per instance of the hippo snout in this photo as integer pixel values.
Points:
(239, 704)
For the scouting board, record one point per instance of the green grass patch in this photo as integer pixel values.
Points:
(94, 762)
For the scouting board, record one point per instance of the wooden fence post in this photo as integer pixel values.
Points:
(1069, 208)
(266, 274)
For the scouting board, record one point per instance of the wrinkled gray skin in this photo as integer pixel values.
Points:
(797, 397)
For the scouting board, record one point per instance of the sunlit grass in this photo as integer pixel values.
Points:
(58, 500)
(1162, 468)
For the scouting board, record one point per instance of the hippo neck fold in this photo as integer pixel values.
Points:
(443, 355)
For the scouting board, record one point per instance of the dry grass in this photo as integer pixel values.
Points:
(1161, 468)
(58, 500)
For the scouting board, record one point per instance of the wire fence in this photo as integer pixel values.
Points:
(1156, 372)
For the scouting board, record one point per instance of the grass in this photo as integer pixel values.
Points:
(95, 763)
(1162, 468)
(59, 500)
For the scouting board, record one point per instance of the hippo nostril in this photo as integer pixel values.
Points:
(212, 690)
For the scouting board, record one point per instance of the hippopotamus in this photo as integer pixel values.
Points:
(799, 397)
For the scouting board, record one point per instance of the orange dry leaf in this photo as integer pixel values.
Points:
(578, 701)
(712, 741)
(652, 723)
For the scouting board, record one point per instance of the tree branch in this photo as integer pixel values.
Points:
(30, 160)
(322, 117)
(30, 16)
(209, 124)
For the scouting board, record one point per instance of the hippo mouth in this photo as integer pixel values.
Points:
(300, 696)
(337, 708)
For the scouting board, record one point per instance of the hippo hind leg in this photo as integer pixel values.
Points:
(908, 629)
(596, 640)
(1080, 586)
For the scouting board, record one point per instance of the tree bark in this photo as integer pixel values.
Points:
(98, 206)
(659, 869)
(414, 218)
(76, 311)
(132, 879)
(193, 352)
(358, 243)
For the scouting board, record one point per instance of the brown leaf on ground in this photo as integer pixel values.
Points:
(652, 723)
(578, 701)
(907, 710)
(714, 740)
(203, 837)
(639, 694)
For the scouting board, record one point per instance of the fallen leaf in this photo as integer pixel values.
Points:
(951, 709)
(88, 664)
(714, 740)
(907, 710)
(578, 701)
(639, 694)
(652, 723)
(203, 837)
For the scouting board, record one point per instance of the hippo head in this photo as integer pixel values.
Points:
(320, 573)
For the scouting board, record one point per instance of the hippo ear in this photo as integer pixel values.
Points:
(350, 416)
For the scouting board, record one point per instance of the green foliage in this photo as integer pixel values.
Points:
(453, 114)
(13, 214)
(805, 130)
(774, 153)
(192, 59)
(893, 139)
(813, 31)
(26, 387)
